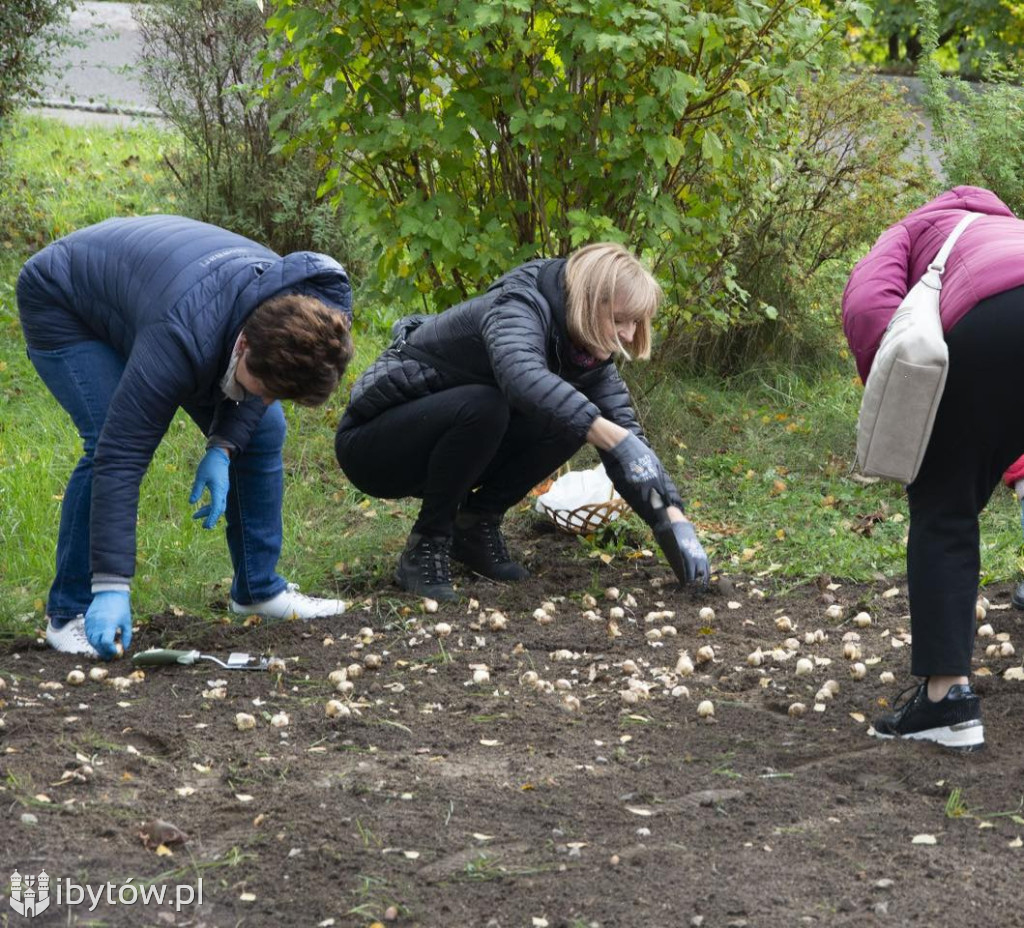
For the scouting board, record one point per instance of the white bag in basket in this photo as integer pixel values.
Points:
(581, 501)
(906, 380)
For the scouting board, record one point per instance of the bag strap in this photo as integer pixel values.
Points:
(938, 266)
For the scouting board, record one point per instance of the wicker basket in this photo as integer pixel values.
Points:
(584, 520)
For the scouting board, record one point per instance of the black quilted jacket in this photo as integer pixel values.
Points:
(513, 336)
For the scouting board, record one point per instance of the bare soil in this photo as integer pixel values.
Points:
(440, 801)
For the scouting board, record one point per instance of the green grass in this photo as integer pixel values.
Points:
(764, 460)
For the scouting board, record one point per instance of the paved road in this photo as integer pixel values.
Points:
(101, 74)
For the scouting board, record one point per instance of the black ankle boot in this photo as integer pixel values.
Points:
(479, 544)
(424, 568)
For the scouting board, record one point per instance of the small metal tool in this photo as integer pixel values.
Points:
(159, 657)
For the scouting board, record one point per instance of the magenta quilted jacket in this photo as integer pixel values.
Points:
(988, 259)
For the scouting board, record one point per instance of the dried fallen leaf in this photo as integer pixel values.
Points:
(636, 810)
(924, 839)
(857, 716)
(489, 742)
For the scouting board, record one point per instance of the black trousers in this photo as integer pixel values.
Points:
(463, 447)
(979, 432)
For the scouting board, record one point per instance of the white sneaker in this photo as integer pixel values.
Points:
(291, 604)
(71, 638)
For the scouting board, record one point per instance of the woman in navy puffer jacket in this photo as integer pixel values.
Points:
(130, 319)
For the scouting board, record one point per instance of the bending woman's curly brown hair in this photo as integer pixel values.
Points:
(298, 348)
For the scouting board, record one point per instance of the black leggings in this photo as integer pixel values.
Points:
(979, 432)
(463, 447)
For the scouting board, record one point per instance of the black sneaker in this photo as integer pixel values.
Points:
(1017, 598)
(424, 568)
(480, 545)
(954, 721)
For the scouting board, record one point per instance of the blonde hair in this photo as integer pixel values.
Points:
(600, 279)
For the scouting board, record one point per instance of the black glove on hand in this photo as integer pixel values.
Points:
(635, 470)
(678, 540)
(637, 474)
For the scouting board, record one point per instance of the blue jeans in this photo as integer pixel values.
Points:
(83, 377)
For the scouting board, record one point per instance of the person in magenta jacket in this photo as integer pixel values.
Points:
(978, 434)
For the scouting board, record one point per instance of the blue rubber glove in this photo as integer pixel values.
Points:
(109, 613)
(212, 475)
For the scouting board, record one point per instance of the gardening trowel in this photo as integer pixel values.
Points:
(237, 660)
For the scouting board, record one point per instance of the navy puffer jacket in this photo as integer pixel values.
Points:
(514, 337)
(170, 295)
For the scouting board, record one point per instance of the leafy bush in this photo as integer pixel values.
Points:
(200, 63)
(470, 136)
(979, 132)
(31, 33)
(844, 174)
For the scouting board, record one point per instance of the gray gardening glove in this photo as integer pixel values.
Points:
(678, 540)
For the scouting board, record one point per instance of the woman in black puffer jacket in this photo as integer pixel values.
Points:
(471, 408)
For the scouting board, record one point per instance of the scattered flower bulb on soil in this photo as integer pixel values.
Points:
(336, 676)
(681, 692)
(481, 676)
(862, 620)
(442, 629)
(792, 644)
(617, 613)
(629, 667)
(858, 671)
(851, 636)
(1005, 649)
(563, 685)
(345, 687)
(336, 710)
(784, 623)
(276, 665)
(985, 631)
(732, 604)
(588, 601)
(498, 622)
(705, 653)
(887, 677)
(684, 665)
(835, 611)
(797, 709)
(669, 631)
(430, 605)
(629, 697)
(529, 678)
(629, 601)
(823, 695)
(75, 678)
(549, 606)
(372, 661)
(355, 671)
(803, 667)
(244, 721)
(541, 617)
(1014, 673)
(851, 651)
(280, 720)
(832, 686)
(98, 674)
(706, 614)
(984, 603)
(571, 703)
(611, 593)
(755, 658)
(706, 709)
(980, 612)
(653, 634)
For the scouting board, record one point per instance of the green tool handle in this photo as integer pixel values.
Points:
(157, 657)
